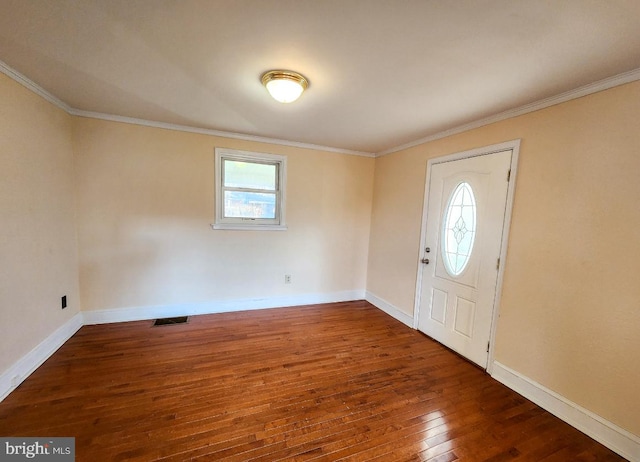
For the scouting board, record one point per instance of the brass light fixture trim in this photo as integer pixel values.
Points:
(283, 76)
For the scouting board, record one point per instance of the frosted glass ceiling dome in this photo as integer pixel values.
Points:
(284, 86)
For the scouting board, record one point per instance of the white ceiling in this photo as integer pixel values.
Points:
(383, 73)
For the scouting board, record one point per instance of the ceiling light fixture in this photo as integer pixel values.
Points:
(284, 86)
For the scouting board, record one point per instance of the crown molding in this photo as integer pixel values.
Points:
(211, 132)
(34, 87)
(37, 89)
(601, 85)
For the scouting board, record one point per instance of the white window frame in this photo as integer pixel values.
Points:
(222, 222)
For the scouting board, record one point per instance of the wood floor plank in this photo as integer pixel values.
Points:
(340, 381)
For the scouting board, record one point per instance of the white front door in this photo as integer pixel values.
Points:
(463, 232)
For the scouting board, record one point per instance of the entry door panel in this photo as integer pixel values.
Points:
(463, 236)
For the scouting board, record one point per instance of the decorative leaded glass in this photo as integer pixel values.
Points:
(459, 229)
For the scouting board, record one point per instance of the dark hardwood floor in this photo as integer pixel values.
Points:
(329, 382)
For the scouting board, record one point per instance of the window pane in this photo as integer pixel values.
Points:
(240, 204)
(250, 175)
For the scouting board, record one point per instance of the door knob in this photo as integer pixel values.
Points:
(425, 261)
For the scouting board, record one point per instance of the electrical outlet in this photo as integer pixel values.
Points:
(287, 279)
(63, 302)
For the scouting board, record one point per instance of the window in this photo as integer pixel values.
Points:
(459, 229)
(250, 190)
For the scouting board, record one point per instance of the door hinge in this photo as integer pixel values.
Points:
(509, 175)
(498, 264)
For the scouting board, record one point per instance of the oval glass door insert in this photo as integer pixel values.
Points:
(459, 229)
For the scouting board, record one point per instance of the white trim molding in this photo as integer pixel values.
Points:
(34, 87)
(140, 313)
(24, 367)
(601, 85)
(212, 132)
(37, 89)
(595, 87)
(612, 436)
(279, 191)
(389, 308)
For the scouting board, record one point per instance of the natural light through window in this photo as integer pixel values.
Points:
(250, 190)
(459, 229)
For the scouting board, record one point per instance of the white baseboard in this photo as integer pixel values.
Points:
(21, 369)
(390, 309)
(215, 306)
(615, 438)
(18, 372)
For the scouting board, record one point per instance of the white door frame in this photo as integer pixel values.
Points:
(514, 146)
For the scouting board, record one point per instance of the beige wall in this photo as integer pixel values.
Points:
(38, 251)
(146, 202)
(570, 314)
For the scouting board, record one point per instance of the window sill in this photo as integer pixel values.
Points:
(241, 227)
